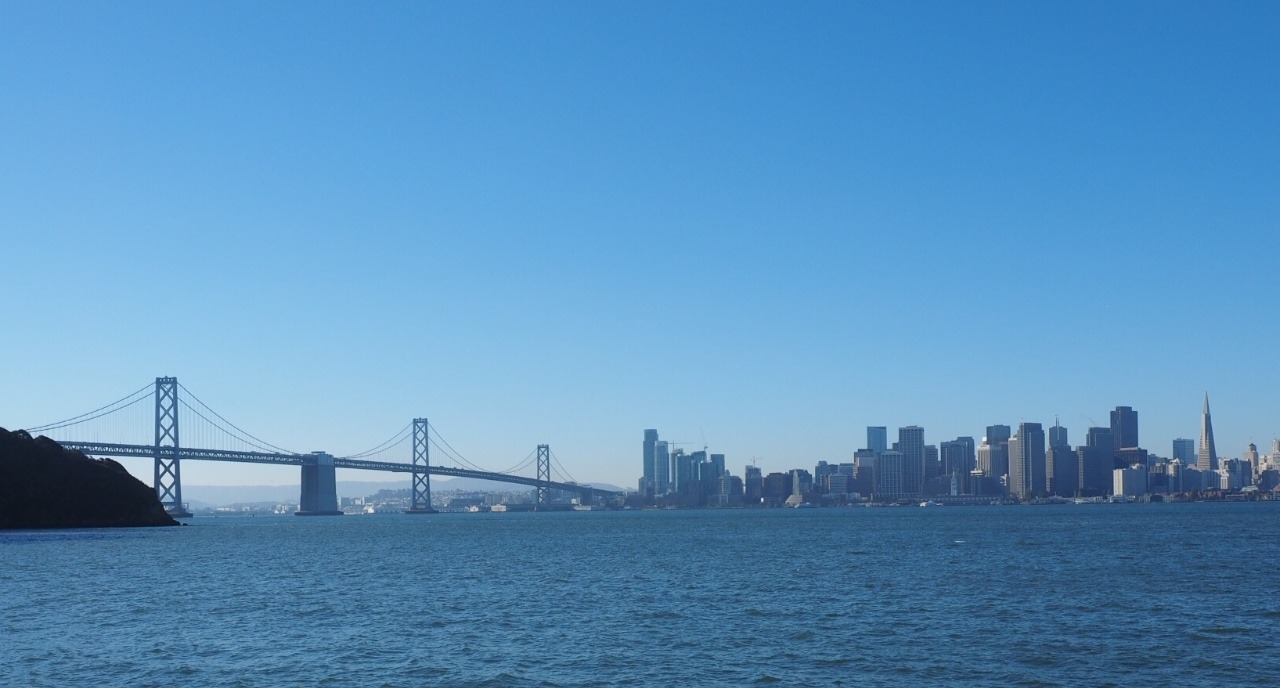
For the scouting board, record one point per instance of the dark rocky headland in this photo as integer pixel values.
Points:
(43, 485)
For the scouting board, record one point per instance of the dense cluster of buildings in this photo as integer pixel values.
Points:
(1023, 464)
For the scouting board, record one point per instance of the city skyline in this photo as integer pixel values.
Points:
(761, 227)
(1026, 466)
(657, 472)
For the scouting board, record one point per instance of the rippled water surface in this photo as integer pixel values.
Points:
(1037, 596)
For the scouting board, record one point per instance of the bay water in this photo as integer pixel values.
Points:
(1090, 595)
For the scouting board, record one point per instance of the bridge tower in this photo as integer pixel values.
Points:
(168, 480)
(421, 470)
(544, 477)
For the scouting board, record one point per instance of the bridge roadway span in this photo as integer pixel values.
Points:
(146, 451)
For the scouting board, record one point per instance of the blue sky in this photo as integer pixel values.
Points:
(761, 226)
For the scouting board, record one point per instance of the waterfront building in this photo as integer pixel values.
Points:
(1026, 462)
(1124, 428)
(796, 498)
(1207, 453)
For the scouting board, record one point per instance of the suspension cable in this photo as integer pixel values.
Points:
(82, 417)
(563, 471)
(455, 456)
(455, 452)
(268, 448)
(525, 462)
(263, 444)
(395, 440)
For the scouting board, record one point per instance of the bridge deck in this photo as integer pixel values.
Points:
(185, 453)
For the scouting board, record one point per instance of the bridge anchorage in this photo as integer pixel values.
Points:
(318, 494)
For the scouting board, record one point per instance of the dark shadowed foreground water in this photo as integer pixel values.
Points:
(1074, 595)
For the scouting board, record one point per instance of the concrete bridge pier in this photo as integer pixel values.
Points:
(319, 486)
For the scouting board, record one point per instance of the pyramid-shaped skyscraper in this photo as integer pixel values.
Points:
(1207, 457)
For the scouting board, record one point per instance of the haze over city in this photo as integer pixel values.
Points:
(758, 227)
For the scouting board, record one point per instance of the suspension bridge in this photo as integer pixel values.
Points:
(104, 432)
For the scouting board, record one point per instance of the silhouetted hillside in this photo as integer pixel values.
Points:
(43, 485)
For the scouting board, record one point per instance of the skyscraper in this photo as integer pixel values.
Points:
(753, 487)
(1058, 435)
(1094, 477)
(1184, 450)
(993, 455)
(932, 466)
(661, 468)
(1026, 461)
(911, 444)
(650, 471)
(717, 465)
(877, 438)
(888, 476)
(1124, 428)
(1061, 467)
(1207, 456)
(1062, 471)
(958, 460)
(1101, 440)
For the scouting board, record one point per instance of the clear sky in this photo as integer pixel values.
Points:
(762, 226)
